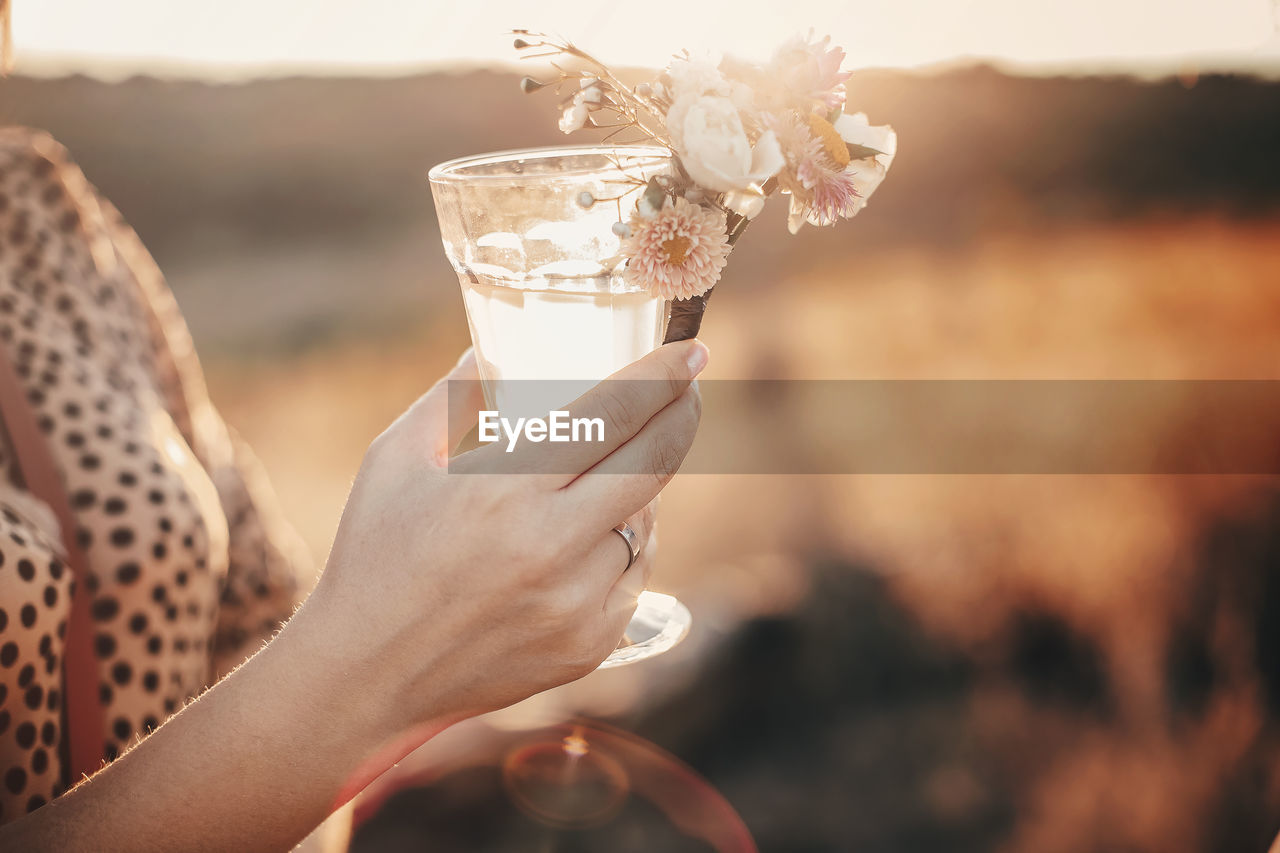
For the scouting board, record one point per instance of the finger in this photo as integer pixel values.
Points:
(623, 403)
(641, 523)
(609, 555)
(635, 473)
(623, 597)
(621, 602)
(644, 566)
(627, 588)
(465, 399)
(448, 409)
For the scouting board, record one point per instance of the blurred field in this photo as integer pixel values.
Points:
(1091, 589)
(1173, 300)
(880, 663)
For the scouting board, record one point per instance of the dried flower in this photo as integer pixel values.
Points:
(651, 200)
(739, 131)
(832, 144)
(855, 130)
(573, 118)
(867, 172)
(810, 70)
(693, 76)
(590, 92)
(708, 135)
(590, 96)
(679, 253)
(822, 189)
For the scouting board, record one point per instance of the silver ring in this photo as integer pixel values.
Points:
(633, 541)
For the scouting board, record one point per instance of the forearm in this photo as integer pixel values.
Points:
(391, 647)
(332, 836)
(254, 764)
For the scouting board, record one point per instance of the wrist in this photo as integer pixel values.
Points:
(376, 674)
(380, 661)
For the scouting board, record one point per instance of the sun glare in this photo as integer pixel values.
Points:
(247, 37)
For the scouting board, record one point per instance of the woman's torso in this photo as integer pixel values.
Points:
(105, 363)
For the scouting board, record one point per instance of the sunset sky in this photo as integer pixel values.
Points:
(238, 38)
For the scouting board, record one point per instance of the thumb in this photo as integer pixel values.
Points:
(449, 409)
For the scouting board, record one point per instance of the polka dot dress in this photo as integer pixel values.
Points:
(190, 565)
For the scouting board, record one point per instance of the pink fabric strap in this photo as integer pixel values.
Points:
(35, 467)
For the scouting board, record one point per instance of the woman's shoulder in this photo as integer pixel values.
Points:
(38, 148)
(41, 185)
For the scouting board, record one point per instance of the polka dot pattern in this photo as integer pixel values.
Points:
(190, 564)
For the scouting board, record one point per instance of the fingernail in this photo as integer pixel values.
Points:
(698, 355)
(466, 354)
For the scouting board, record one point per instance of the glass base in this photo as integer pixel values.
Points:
(565, 783)
(659, 624)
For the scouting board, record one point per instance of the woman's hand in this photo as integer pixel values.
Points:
(446, 594)
(483, 588)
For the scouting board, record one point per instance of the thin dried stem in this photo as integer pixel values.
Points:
(641, 111)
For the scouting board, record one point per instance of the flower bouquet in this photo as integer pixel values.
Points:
(575, 261)
(738, 132)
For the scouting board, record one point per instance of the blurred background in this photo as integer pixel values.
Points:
(1084, 189)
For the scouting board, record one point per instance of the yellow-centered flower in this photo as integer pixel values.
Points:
(676, 250)
(832, 143)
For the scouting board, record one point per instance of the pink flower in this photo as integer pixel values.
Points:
(832, 192)
(678, 253)
(822, 188)
(811, 70)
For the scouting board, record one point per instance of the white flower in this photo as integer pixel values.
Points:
(590, 92)
(866, 176)
(867, 173)
(856, 130)
(695, 76)
(743, 97)
(707, 132)
(574, 118)
(590, 96)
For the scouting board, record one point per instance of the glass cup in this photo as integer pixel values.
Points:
(531, 235)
